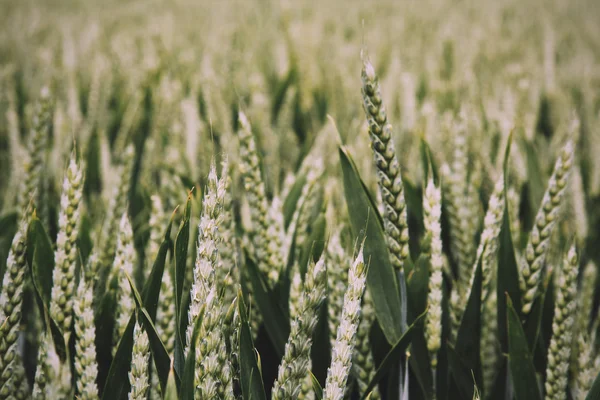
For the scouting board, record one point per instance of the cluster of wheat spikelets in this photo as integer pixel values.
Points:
(269, 199)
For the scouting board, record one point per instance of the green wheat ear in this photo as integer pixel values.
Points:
(341, 359)
(545, 221)
(66, 254)
(295, 364)
(388, 168)
(559, 352)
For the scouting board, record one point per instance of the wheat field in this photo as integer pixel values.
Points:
(299, 200)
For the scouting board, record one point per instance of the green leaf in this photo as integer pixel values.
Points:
(318, 390)
(188, 386)
(40, 256)
(594, 393)
(117, 382)
(520, 359)
(274, 319)
(536, 178)
(508, 271)
(181, 250)
(315, 244)
(290, 203)
(151, 291)
(417, 288)
(394, 354)
(250, 372)
(367, 226)
(171, 391)
(534, 319)
(461, 374)
(468, 339)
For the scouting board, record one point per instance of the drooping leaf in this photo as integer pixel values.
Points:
(274, 318)
(250, 372)
(367, 226)
(520, 358)
(394, 354)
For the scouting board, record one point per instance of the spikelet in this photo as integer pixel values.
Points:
(388, 168)
(295, 364)
(86, 366)
(12, 373)
(34, 163)
(140, 356)
(337, 374)
(559, 352)
(267, 241)
(125, 259)
(66, 254)
(363, 364)
(432, 211)
(295, 292)
(545, 220)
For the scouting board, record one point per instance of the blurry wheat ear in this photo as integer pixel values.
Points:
(432, 211)
(12, 373)
(545, 221)
(117, 206)
(45, 374)
(294, 366)
(488, 249)
(337, 374)
(363, 361)
(86, 366)
(584, 366)
(125, 259)
(388, 168)
(337, 281)
(65, 257)
(267, 242)
(40, 128)
(559, 352)
(138, 374)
